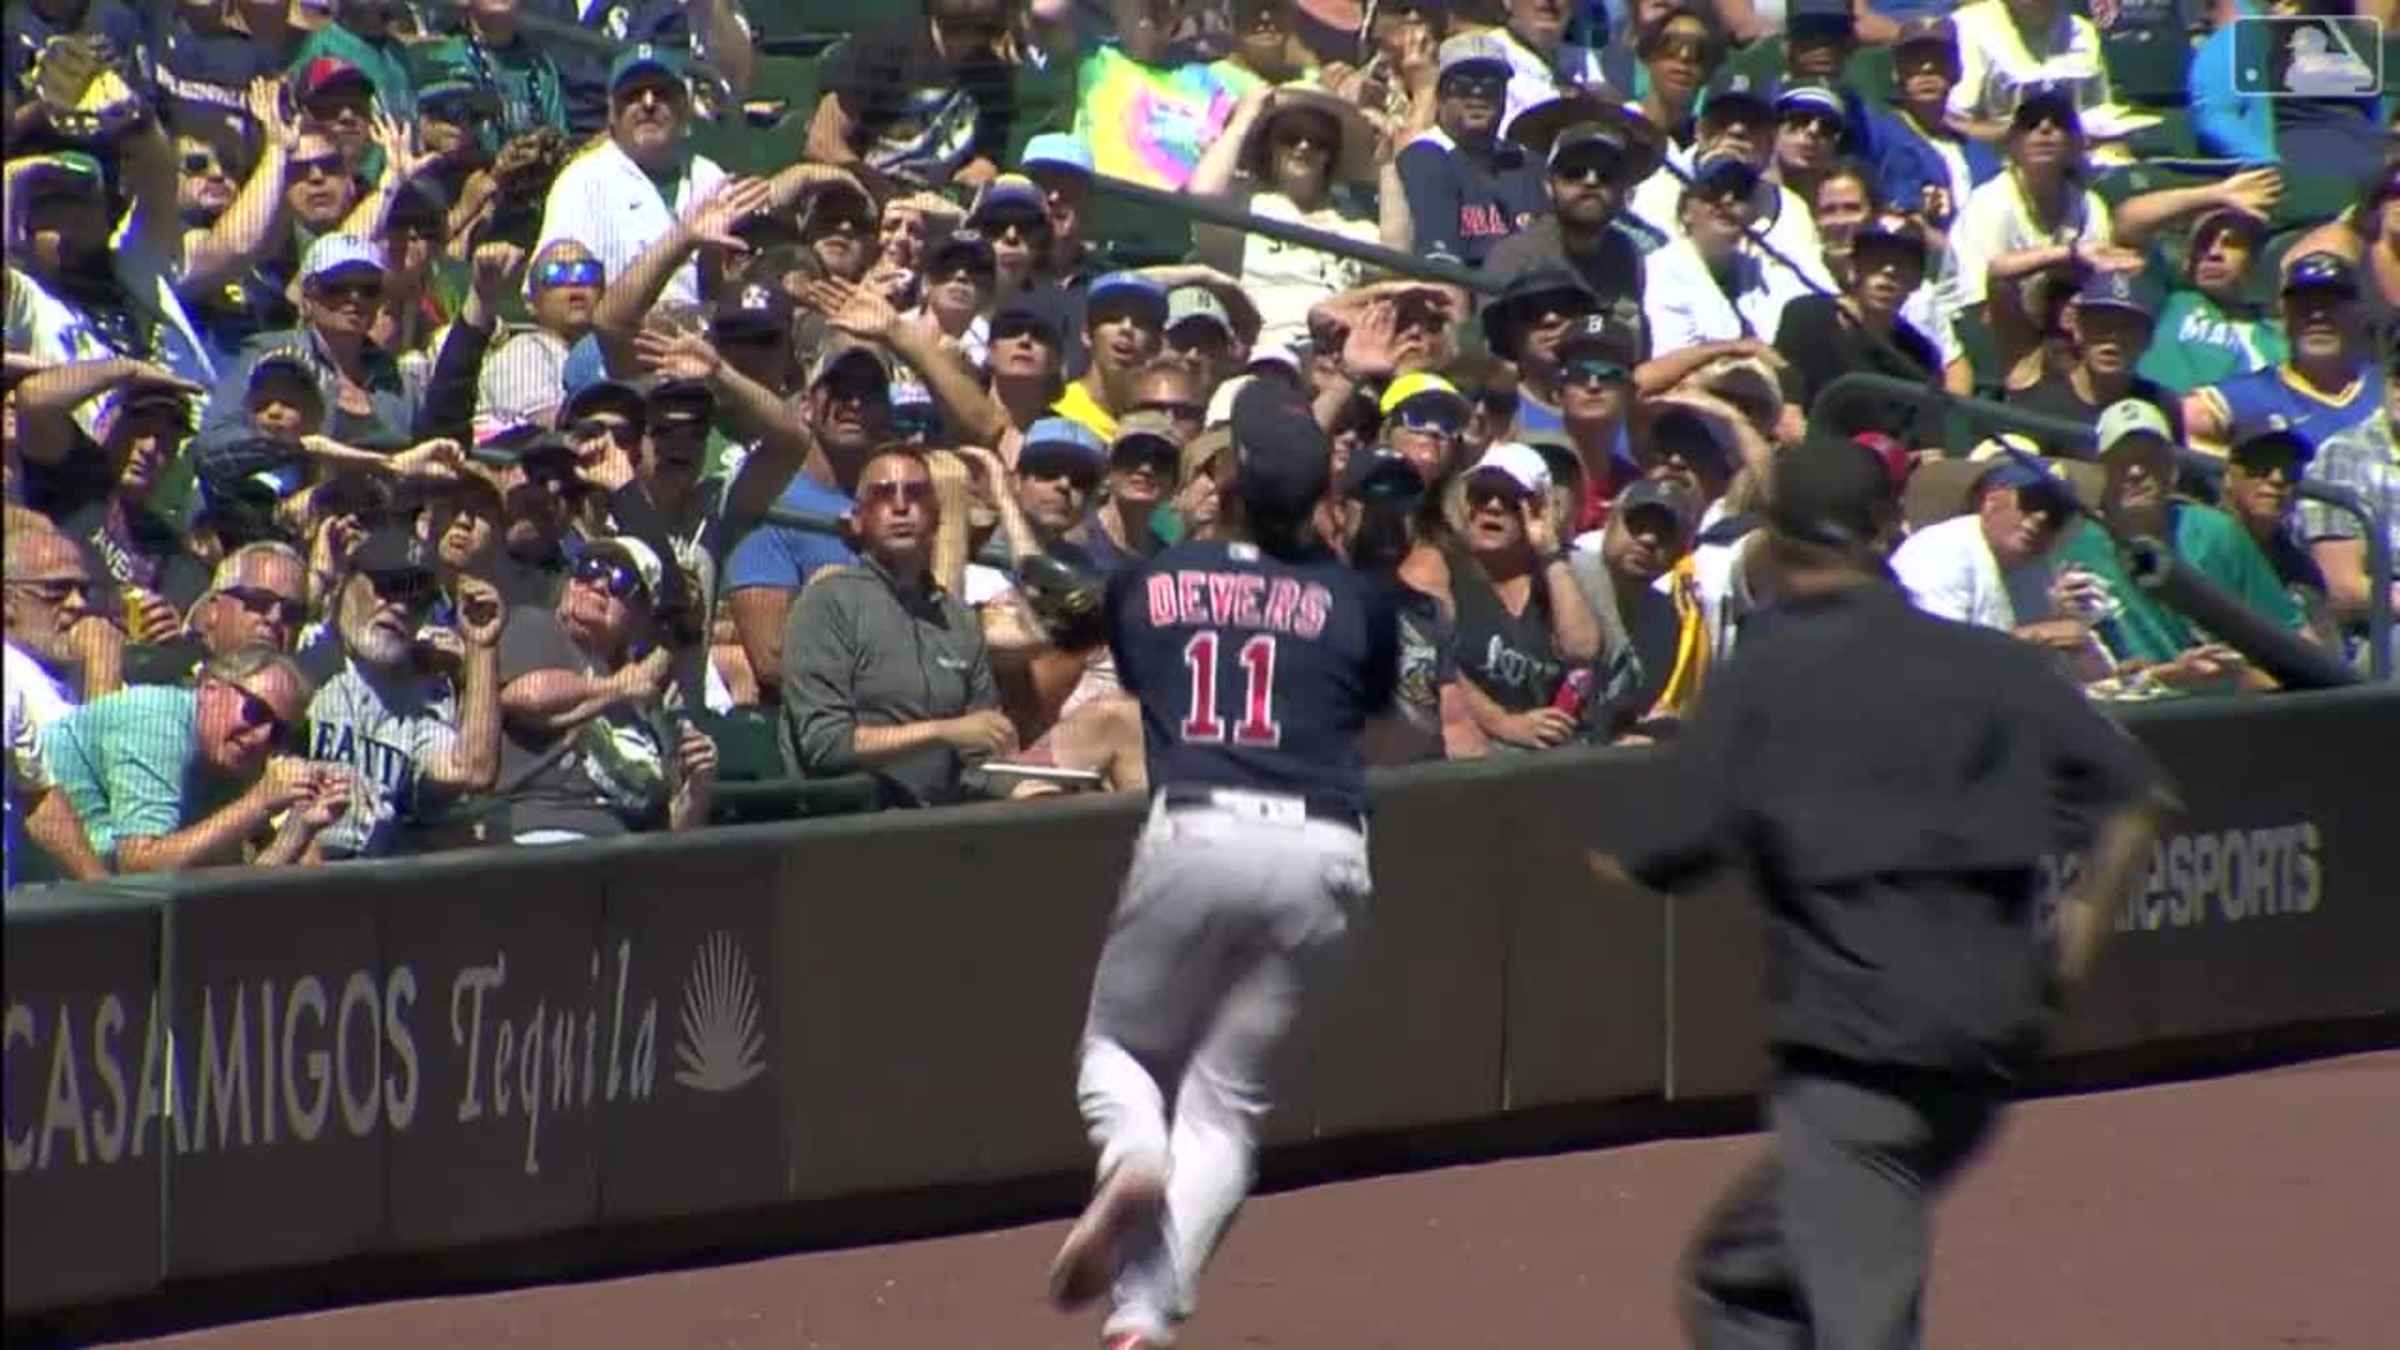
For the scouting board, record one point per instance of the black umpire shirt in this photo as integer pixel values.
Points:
(1893, 781)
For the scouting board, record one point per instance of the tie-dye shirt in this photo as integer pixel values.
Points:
(1150, 123)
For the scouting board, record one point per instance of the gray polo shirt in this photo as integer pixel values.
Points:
(862, 649)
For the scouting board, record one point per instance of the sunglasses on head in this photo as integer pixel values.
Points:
(260, 601)
(894, 492)
(569, 272)
(612, 575)
(1594, 370)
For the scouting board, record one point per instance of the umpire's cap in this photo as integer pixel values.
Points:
(1284, 463)
(1832, 491)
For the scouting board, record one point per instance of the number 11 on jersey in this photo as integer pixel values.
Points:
(1256, 657)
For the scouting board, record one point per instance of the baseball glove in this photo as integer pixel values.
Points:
(1067, 603)
(80, 81)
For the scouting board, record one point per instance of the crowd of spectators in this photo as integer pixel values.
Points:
(415, 437)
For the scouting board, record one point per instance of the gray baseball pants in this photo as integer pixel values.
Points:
(1226, 915)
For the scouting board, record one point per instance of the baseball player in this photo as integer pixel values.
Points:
(1257, 660)
(1891, 781)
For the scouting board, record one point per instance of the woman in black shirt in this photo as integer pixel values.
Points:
(1825, 337)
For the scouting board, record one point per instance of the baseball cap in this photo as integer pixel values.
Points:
(325, 72)
(1131, 289)
(676, 403)
(1379, 472)
(1830, 490)
(1725, 172)
(522, 443)
(2055, 99)
(1689, 431)
(1421, 384)
(1473, 49)
(2026, 474)
(589, 388)
(1198, 302)
(1801, 16)
(1029, 309)
(635, 554)
(72, 170)
(281, 361)
(646, 58)
(1516, 461)
(1062, 442)
(1057, 150)
(334, 252)
(753, 307)
(967, 247)
(2274, 444)
(2113, 290)
(2131, 417)
(394, 551)
(1663, 495)
(1736, 93)
(1927, 30)
(1812, 96)
(2321, 271)
(1012, 192)
(1284, 462)
(2254, 226)
(1146, 428)
(1607, 335)
(830, 357)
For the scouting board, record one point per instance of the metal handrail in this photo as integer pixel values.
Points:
(1215, 212)
(2270, 649)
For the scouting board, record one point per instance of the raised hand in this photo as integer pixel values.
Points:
(852, 308)
(1372, 347)
(680, 356)
(481, 615)
(714, 220)
(2108, 257)
(401, 158)
(144, 378)
(440, 460)
(497, 266)
(277, 127)
(2253, 190)
(326, 799)
(1541, 531)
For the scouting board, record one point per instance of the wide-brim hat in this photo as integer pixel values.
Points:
(1644, 141)
(1505, 317)
(1355, 162)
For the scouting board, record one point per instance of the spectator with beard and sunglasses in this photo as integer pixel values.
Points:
(166, 778)
(1596, 150)
(413, 712)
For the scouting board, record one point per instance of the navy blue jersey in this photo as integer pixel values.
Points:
(1254, 672)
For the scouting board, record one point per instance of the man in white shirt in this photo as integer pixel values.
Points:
(1708, 285)
(2006, 45)
(42, 611)
(625, 191)
(1991, 567)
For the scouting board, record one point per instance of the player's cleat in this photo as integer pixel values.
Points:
(1129, 1340)
(1086, 1263)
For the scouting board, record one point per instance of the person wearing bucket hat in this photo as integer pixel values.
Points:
(628, 190)
(1524, 326)
(2137, 453)
(922, 100)
(2327, 387)
(1594, 150)
(1467, 188)
(1294, 153)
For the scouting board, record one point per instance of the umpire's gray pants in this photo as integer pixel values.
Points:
(1822, 1245)
(1224, 915)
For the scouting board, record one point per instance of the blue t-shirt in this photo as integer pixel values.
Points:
(1462, 207)
(1254, 671)
(2274, 399)
(782, 557)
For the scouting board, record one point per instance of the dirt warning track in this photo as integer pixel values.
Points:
(2257, 1210)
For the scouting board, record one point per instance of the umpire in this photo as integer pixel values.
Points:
(1891, 781)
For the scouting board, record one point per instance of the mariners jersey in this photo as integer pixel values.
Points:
(1254, 671)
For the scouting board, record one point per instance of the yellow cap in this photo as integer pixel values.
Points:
(1416, 384)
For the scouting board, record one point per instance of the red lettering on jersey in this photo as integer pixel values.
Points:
(1283, 596)
(1315, 603)
(1162, 600)
(1247, 588)
(1221, 588)
(1190, 590)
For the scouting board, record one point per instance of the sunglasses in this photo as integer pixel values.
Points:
(1825, 125)
(1181, 412)
(1430, 423)
(328, 165)
(257, 712)
(626, 434)
(57, 590)
(1315, 138)
(569, 272)
(893, 492)
(1024, 231)
(1480, 494)
(1078, 473)
(202, 162)
(1006, 329)
(257, 601)
(611, 575)
(1681, 49)
(1591, 370)
(367, 292)
(1589, 169)
(1472, 86)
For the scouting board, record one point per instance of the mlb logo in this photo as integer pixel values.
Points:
(2308, 56)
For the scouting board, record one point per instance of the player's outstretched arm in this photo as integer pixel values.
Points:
(2120, 855)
